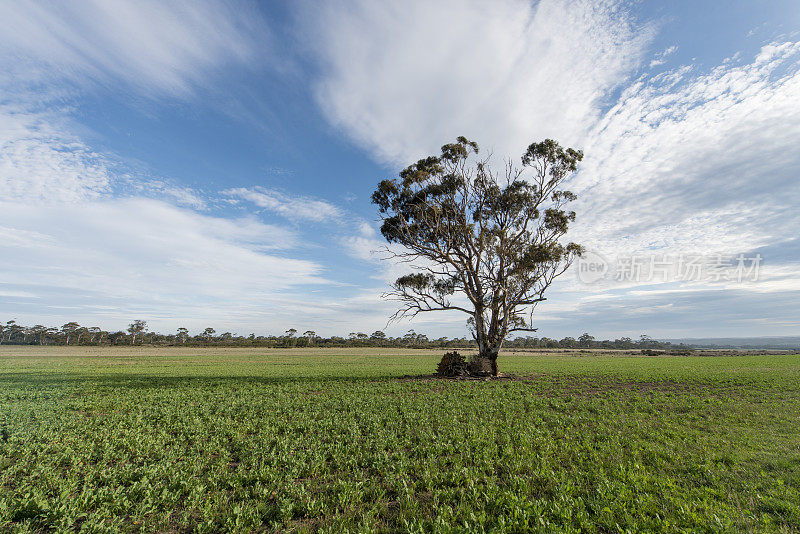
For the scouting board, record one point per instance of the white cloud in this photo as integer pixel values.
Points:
(683, 160)
(403, 78)
(182, 196)
(43, 161)
(139, 253)
(40, 160)
(697, 163)
(51, 53)
(661, 57)
(156, 47)
(289, 206)
(17, 294)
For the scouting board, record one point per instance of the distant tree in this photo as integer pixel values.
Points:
(135, 328)
(49, 333)
(15, 333)
(623, 343)
(208, 333)
(494, 241)
(410, 337)
(38, 331)
(548, 343)
(586, 340)
(288, 339)
(310, 335)
(647, 342)
(182, 335)
(69, 329)
(9, 329)
(95, 331)
(116, 338)
(79, 333)
(567, 343)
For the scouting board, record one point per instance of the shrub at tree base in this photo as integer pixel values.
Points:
(452, 364)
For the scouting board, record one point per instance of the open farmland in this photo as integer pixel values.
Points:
(170, 439)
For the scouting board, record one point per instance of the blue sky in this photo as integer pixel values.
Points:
(210, 163)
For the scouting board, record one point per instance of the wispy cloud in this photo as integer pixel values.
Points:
(402, 78)
(289, 206)
(133, 253)
(661, 57)
(155, 47)
(697, 162)
(668, 312)
(41, 160)
(53, 52)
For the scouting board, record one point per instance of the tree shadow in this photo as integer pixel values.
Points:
(155, 381)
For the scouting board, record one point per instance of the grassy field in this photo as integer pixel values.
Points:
(207, 440)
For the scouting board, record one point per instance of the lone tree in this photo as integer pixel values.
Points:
(484, 243)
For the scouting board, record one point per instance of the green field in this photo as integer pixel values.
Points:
(148, 439)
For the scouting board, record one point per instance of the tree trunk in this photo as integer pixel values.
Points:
(490, 354)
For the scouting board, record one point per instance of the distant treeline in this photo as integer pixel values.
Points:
(137, 333)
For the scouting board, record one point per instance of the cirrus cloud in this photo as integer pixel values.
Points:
(402, 78)
(155, 47)
(289, 206)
